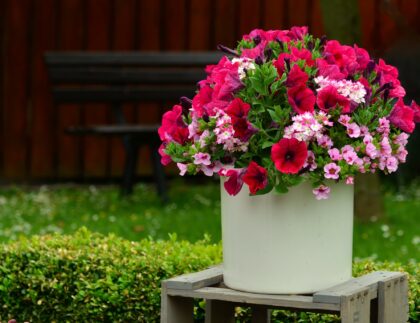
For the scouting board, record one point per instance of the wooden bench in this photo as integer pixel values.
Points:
(118, 78)
(376, 297)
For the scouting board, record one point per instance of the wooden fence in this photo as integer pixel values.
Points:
(32, 143)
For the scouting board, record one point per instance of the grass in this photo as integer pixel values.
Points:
(193, 212)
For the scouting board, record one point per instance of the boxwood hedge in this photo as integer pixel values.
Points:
(87, 277)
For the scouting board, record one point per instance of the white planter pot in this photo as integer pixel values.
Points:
(289, 243)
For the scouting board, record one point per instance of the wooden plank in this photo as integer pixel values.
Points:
(355, 308)
(124, 38)
(113, 130)
(174, 25)
(2, 78)
(199, 30)
(70, 36)
(273, 14)
(316, 24)
(196, 280)
(225, 22)
(42, 121)
(151, 58)
(333, 295)
(298, 13)
(121, 94)
(97, 38)
(16, 91)
(175, 309)
(369, 31)
(249, 17)
(121, 75)
(229, 295)
(218, 311)
(393, 299)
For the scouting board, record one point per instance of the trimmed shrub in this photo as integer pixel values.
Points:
(87, 277)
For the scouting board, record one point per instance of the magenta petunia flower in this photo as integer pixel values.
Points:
(235, 182)
(329, 98)
(289, 155)
(416, 110)
(402, 117)
(331, 171)
(173, 127)
(165, 159)
(296, 77)
(301, 98)
(255, 177)
(238, 108)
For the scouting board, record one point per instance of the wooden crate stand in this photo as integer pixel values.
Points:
(380, 296)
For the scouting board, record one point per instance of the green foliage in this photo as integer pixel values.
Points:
(92, 278)
(88, 277)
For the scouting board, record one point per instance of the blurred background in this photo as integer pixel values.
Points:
(35, 151)
(33, 146)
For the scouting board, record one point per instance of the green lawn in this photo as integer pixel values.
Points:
(193, 212)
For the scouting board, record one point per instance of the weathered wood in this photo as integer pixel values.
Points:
(333, 295)
(393, 299)
(175, 309)
(356, 308)
(115, 130)
(219, 312)
(196, 280)
(229, 295)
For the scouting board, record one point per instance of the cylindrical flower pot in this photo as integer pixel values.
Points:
(287, 243)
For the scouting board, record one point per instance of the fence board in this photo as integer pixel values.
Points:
(16, 76)
(124, 36)
(273, 14)
(98, 38)
(70, 36)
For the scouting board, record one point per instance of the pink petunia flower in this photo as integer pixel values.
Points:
(401, 154)
(325, 141)
(350, 157)
(371, 150)
(344, 119)
(334, 154)
(386, 149)
(202, 159)
(349, 180)
(402, 117)
(322, 192)
(331, 171)
(310, 161)
(182, 168)
(391, 164)
(353, 130)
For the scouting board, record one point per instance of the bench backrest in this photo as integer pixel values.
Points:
(112, 77)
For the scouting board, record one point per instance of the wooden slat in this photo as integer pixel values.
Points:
(150, 59)
(124, 38)
(115, 94)
(249, 16)
(196, 280)
(333, 295)
(16, 101)
(356, 307)
(200, 13)
(174, 19)
(225, 22)
(123, 76)
(273, 14)
(175, 309)
(229, 295)
(70, 36)
(97, 38)
(369, 31)
(316, 24)
(42, 121)
(298, 13)
(113, 130)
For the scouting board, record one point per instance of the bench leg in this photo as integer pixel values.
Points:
(260, 314)
(176, 309)
(393, 300)
(131, 156)
(355, 308)
(159, 174)
(219, 312)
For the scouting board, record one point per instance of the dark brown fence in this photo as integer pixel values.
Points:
(32, 143)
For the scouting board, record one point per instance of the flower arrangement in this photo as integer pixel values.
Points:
(285, 107)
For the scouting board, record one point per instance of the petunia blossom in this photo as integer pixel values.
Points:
(235, 182)
(301, 98)
(322, 192)
(255, 177)
(289, 155)
(331, 171)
